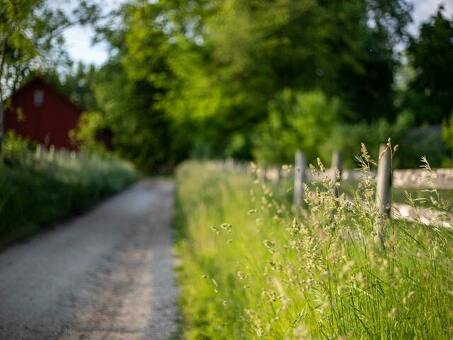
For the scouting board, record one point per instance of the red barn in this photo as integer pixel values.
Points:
(42, 114)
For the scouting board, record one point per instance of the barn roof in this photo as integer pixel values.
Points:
(48, 87)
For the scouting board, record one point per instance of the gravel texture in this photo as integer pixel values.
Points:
(105, 275)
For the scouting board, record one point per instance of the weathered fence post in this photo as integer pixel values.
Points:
(277, 175)
(336, 168)
(383, 190)
(384, 180)
(52, 152)
(38, 153)
(299, 177)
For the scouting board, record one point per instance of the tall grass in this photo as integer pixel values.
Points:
(251, 267)
(36, 189)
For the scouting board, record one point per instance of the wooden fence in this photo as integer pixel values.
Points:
(386, 179)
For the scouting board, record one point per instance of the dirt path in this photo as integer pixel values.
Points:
(105, 275)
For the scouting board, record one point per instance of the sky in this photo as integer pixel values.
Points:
(79, 38)
(79, 46)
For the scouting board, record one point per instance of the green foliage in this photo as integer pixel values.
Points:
(347, 137)
(31, 38)
(315, 124)
(414, 142)
(251, 268)
(15, 148)
(422, 141)
(140, 129)
(431, 56)
(87, 132)
(296, 121)
(447, 135)
(78, 84)
(37, 189)
(215, 79)
(198, 77)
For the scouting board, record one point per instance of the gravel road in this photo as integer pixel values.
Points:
(105, 275)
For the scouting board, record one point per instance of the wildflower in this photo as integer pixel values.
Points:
(215, 229)
(272, 295)
(241, 275)
(269, 244)
(226, 226)
(273, 265)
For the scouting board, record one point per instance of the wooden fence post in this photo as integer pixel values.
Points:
(383, 190)
(52, 152)
(299, 177)
(336, 168)
(277, 175)
(38, 153)
(384, 180)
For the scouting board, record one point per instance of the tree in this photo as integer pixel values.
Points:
(16, 47)
(205, 71)
(431, 56)
(129, 88)
(140, 129)
(362, 38)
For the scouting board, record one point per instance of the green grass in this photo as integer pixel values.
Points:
(35, 192)
(252, 268)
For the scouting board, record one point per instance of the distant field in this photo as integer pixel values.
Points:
(252, 268)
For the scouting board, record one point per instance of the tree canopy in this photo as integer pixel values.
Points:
(230, 78)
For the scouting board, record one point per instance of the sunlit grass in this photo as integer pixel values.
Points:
(252, 268)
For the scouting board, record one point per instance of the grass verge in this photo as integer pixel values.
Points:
(37, 190)
(253, 268)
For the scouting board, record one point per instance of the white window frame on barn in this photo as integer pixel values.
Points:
(38, 98)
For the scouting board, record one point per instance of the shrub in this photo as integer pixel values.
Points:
(37, 189)
(296, 121)
(15, 148)
(422, 141)
(87, 132)
(347, 137)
